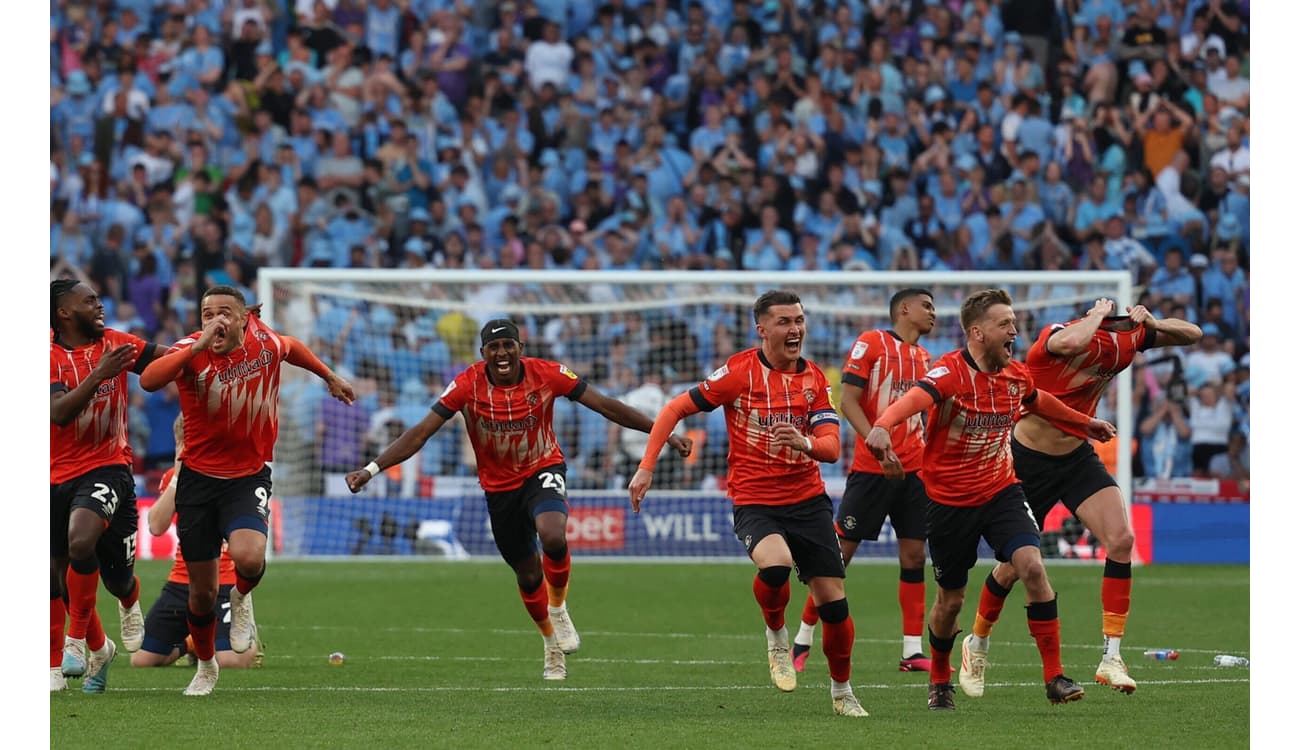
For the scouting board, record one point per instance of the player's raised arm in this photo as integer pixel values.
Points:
(299, 355)
(620, 413)
(66, 404)
(673, 412)
(1169, 331)
(1051, 408)
(402, 448)
(169, 366)
(1073, 340)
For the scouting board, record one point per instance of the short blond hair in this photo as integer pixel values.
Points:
(977, 305)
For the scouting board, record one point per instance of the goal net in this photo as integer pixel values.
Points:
(400, 336)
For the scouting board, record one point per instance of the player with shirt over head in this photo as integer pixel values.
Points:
(93, 518)
(228, 375)
(507, 401)
(1076, 361)
(880, 368)
(974, 395)
(165, 627)
(780, 426)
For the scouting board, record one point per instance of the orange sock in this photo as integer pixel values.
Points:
(94, 632)
(203, 629)
(809, 616)
(837, 639)
(58, 616)
(81, 599)
(772, 596)
(941, 658)
(992, 596)
(535, 603)
(911, 600)
(1045, 627)
(556, 573)
(130, 599)
(1116, 585)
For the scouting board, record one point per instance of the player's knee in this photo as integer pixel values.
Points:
(1120, 545)
(1032, 571)
(249, 562)
(81, 544)
(118, 585)
(775, 576)
(553, 542)
(833, 612)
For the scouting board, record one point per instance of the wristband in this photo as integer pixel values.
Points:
(372, 469)
(807, 441)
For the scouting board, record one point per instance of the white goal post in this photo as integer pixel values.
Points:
(402, 334)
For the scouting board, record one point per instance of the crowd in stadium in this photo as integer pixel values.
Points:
(196, 142)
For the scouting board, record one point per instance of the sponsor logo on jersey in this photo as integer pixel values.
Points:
(566, 372)
(859, 349)
(246, 368)
(937, 373)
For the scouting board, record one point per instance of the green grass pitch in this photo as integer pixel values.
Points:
(673, 656)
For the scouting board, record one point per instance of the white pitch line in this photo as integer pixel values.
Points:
(624, 689)
(598, 660)
(715, 636)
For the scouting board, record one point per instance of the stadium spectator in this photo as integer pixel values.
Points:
(157, 116)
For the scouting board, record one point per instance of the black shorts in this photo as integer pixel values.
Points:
(208, 509)
(166, 625)
(807, 527)
(512, 512)
(868, 498)
(109, 491)
(1005, 522)
(1071, 478)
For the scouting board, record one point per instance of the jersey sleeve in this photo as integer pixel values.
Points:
(145, 350)
(942, 382)
(822, 411)
(858, 363)
(721, 386)
(1147, 339)
(1038, 354)
(454, 396)
(563, 381)
(56, 383)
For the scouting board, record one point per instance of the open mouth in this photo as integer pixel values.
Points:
(792, 345)
(1009, 347)
(503, 366)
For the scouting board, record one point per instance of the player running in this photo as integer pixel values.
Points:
(93, 518)
(974, 395)
(165, 629)
(507, 401)
(780, 424)
(228, 375)
(1075, 361)
(881, 367)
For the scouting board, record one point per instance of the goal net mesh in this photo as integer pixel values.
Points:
(401, 336)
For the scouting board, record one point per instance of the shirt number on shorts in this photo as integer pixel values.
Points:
(107, 498)
(263, 502)
(553, 481)
(129, 543)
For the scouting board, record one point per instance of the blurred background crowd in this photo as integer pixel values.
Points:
(194, 142)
